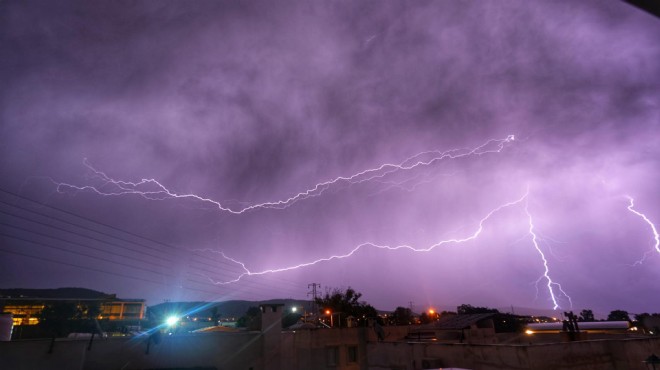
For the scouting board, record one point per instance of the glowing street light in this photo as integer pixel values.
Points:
(329, 313)
(172, 320)
(433, 314)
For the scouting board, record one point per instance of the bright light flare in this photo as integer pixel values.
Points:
(172, 320)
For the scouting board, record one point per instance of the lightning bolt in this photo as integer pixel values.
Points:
(152, 189)
(551, 285)
(656, 246)
(546, 270)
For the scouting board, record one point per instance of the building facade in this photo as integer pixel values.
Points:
(28, 310)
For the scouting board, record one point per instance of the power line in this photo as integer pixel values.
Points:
(78, 225)
(224, 274)
(81, 254)
(78, 244)
(85, 236)
(79, 266)
(90, 247)
(88, 219)
(103, 271)
(195, 253)
(86, 228)
(247, 287)
(90, 229)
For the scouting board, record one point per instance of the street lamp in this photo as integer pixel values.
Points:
(329, 313)
(651, 361)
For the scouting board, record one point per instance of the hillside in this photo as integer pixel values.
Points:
(62, 293)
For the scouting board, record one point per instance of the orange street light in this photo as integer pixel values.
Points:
(329, 313)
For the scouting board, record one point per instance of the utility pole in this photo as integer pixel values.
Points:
(314, 292)
(410, 303)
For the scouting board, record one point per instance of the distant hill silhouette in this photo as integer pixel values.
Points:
(62, 293)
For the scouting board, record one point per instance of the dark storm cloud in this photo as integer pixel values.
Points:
(248, 102)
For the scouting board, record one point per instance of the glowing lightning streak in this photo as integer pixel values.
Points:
(354, 250)
(160, 192)
(546, 272)
(643, 216)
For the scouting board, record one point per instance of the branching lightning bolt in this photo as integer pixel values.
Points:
(656, 237)
(480, 227)
(546, 270)
(152, 189)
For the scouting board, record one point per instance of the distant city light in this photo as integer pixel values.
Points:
(294, 309)
(529, 332)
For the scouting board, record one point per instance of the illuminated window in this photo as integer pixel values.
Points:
(24, 314)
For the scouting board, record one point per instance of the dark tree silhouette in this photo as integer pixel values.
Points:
(56, 318)
(402, 316)
(346, 304)
(466, 309)
(424, 318)
(251, 320)
(618, 315)
(587, 315)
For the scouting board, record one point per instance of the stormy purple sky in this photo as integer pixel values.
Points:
(244, 103)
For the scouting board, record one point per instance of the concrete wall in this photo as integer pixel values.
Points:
(588, 355)
(269, 349)
(219, 350)
(27, 355)
(309, 349)
(271, 329)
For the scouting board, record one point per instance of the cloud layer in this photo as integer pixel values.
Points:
(254, 101)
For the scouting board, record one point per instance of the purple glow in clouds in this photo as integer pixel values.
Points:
(241, 150)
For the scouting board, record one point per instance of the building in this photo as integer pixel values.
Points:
(27, 305)
(122, 309)
(357, 348)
